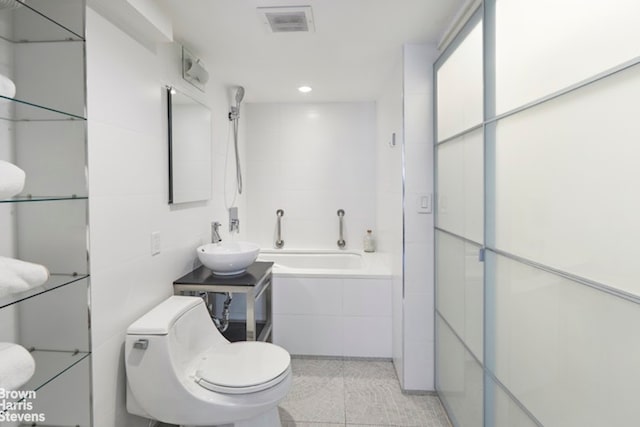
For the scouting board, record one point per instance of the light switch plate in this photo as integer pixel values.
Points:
(425, 203)
(155, 243)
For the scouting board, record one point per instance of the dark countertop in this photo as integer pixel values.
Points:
(203, 276)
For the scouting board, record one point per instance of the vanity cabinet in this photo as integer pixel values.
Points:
(255, 285)
(43, 131)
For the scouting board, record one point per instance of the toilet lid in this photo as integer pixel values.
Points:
(243, 367)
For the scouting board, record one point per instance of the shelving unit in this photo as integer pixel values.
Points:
(43, 131)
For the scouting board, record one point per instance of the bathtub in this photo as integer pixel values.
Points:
(326, 263)
(331, 303)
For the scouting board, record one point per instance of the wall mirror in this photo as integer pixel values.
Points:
(189, 148)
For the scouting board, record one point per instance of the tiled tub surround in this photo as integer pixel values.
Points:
(323, 310)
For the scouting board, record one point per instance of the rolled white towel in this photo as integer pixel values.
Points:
(11, 283)
(16, 366)
(11, 179)
(7, 87)
(19, 276)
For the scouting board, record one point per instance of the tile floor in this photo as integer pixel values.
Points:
(337, 393)
(362, 393)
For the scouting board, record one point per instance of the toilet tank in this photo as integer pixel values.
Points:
(161, 350)
(186, 324)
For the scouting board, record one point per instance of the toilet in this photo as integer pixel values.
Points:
(181, 370)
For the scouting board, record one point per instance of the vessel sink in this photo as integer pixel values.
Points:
(228, 258)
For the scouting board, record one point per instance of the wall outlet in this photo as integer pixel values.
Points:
(155, 243)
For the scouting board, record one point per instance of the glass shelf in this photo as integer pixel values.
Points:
(19, 110)
(27, 199)
(33, 23)
(55, 281)
(50, 364)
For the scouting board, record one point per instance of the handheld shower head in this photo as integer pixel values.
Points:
(239, 95)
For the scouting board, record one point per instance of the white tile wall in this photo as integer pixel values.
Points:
(307, 296)
(309, 335)
(366, 297)
(367, 336)
(311, 160)
(418, 338)
(127, 154)
(333, 316)
(389, 198)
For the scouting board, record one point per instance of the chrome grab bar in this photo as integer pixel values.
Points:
(341, 242)
(279, 241)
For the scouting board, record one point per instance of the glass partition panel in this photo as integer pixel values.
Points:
(459, 292)
(460, 86)
(506, 412)
(563, 176)
(567, 352)
(460, 186)
(458, 379)
(546, 45)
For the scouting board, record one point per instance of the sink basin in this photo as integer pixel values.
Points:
(228, 258)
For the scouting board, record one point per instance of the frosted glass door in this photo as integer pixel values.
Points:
(542, 190)
(459, 89)
(565, 173)
(460, 224)
(544, 46)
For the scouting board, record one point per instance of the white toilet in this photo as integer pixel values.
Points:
(181, 370)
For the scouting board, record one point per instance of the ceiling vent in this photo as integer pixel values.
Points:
(287, 19)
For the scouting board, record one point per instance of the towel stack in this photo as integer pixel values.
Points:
(19, 276)
(7, 87)
(11, 180)
(16, 366)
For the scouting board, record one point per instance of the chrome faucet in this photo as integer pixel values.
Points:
(215, 235)
(234, 221)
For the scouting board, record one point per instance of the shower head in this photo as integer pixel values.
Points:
(239, 95)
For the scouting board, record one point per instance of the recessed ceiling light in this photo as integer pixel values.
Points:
(305, 89)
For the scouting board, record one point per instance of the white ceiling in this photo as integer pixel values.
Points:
(356, 45)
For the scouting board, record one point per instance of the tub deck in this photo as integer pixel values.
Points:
(326, 263)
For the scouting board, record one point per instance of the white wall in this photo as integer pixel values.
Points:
(389, 197)
(311, 160)
(127, 156)
(418, 336)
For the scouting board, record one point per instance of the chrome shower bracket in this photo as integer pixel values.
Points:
(341, 242)
(279, 241)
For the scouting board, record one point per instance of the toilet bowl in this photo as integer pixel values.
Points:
(181, 370)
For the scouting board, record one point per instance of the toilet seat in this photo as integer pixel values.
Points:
(242, 367)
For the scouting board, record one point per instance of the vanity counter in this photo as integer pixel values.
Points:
(204, 277)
